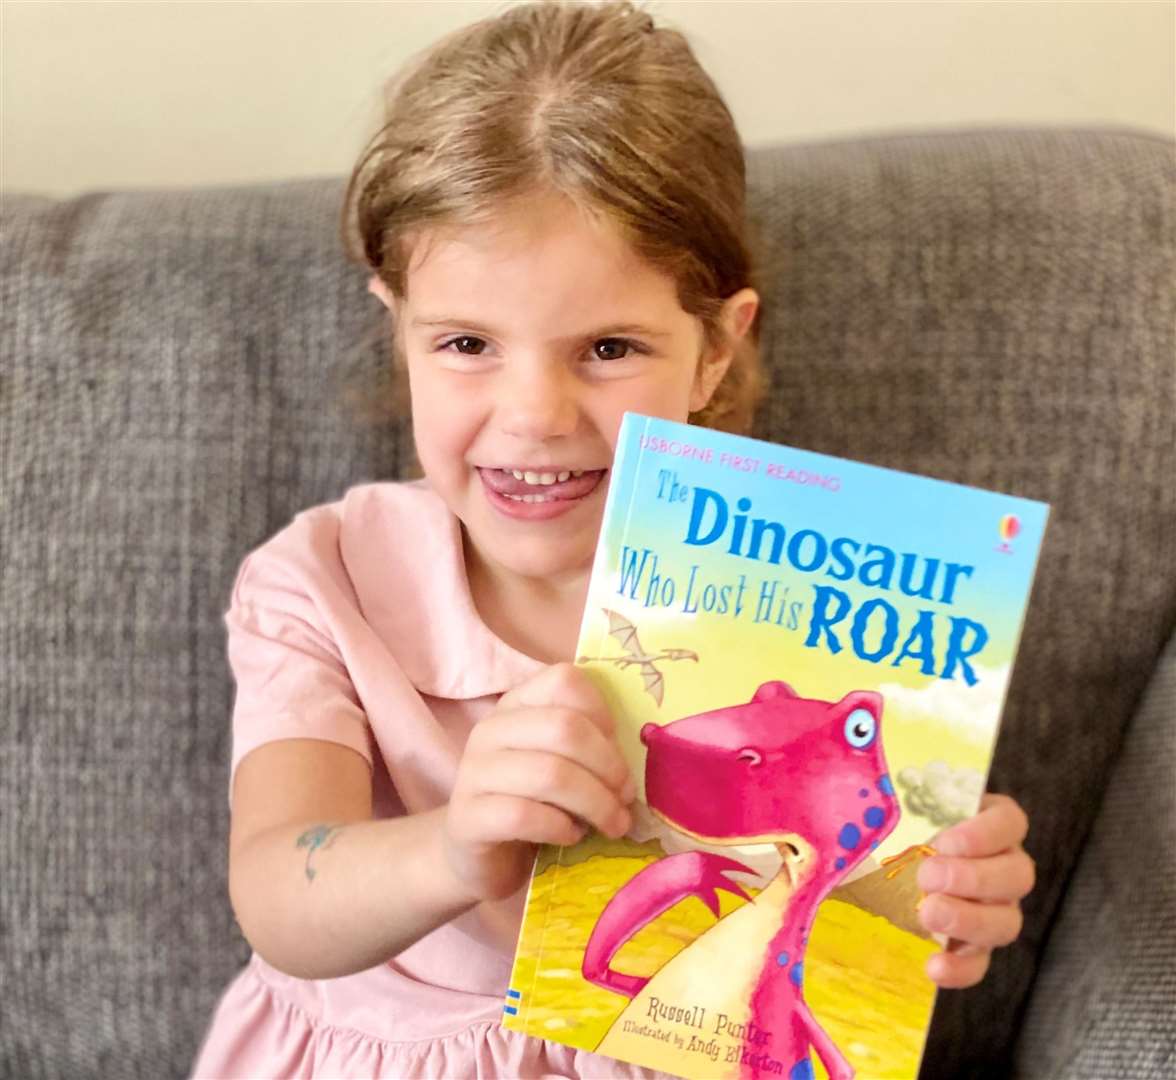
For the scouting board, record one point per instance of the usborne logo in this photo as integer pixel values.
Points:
(1010, 526)
(512, 999)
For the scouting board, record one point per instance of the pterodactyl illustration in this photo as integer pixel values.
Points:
(626, 633)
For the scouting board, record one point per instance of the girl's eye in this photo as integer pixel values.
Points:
(612, 348)
(604, 349)
(467, 345)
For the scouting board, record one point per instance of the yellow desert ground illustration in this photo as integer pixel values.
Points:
(864, 979)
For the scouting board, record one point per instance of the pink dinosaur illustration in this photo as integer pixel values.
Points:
(807, 776)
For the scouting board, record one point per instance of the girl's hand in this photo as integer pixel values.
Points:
(540, 769)
(974, 886)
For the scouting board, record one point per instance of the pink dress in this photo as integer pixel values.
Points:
(355, 624)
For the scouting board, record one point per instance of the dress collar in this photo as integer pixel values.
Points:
(403, 550)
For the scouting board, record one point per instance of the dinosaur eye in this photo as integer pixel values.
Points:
(752, 757)
(860, 728)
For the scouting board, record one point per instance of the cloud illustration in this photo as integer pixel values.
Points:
(940, 793)
(971, 710)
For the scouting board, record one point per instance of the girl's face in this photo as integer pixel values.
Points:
(526, 341)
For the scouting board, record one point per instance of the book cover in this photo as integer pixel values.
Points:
(806, 658)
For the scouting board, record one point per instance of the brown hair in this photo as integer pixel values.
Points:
(593, 102)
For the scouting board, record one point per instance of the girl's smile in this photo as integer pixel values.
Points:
(542, 492)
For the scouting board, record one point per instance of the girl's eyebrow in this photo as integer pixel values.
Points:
(604, 331)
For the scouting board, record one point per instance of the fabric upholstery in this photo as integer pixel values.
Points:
(1105, 1000)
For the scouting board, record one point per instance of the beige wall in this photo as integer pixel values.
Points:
(106, 95)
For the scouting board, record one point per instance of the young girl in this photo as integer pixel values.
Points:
(554, 217)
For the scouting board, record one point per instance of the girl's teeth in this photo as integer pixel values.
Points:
(545, 478)
(531, 498)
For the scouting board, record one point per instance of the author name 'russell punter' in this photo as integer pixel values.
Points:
(695, 1016)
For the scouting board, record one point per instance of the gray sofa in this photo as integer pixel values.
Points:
(182, 371)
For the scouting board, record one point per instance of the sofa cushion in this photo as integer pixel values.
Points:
(1104, 1003)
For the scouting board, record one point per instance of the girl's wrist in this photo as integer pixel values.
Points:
(440, 863)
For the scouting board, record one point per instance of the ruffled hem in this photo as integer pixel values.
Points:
(256, 1033)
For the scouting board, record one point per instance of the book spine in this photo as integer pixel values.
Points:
(517, 1006)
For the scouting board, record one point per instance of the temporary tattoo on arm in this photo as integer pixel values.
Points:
(318, 836)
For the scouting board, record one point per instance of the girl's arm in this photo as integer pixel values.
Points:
(320, 889)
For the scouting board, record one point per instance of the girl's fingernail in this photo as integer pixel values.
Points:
(969, 950)
(935, 916)
(932, 876)
(950, 843)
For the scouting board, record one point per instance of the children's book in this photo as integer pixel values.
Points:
(806, 658)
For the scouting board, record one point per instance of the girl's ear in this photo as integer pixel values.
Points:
(736, 318)
(378, 289)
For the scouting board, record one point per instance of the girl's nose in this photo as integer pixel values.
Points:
(539, 401)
